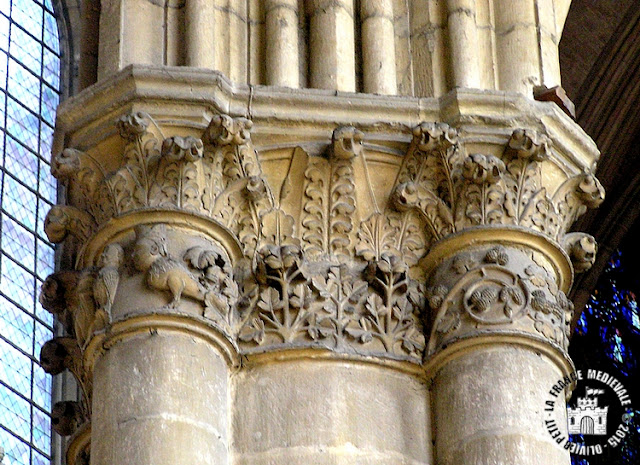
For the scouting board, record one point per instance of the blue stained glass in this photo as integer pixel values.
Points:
(15, 372)
(22, 124)
(41, 431)
(24, 85)
(41, 313)
(47, 187)
(17, 242)
(607, 339)
(16, 325)
(42, 387)
(3, 106)
(16, 282)
(43, 209)
(28, 14)
(4, 33)
(21, 162)
(50, 100)
(45, 259)
(17, 452)
(29, 83)
(46, 141)
(26, 49)
(51, 67)
(39, 459)
(20, 202)
(51, 32)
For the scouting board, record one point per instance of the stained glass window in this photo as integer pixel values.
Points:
(607, 338)
(29, 94)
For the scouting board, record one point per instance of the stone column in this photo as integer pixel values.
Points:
(282, 43)
(332, 59)
(497, 279)
(148, 306)
(362, 279)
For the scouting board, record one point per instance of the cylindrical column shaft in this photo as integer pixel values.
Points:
(549, 38)
(326, 412)
(332, 45)
(378, 47)
(489, 406)
(517, 45)
(160, 397)
(282, 43)
(463, 40)
(500, 320)
(200, 33)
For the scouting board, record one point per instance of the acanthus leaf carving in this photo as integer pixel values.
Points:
(452, 192)
(236, 192)
(346, 145)
(350, 265)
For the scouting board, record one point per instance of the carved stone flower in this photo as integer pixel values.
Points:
(480, 169)
(224, 130)
(513, 298)
(590, 191)
(178, 148)
(256, 188)
(528, 144)
(391, 263)
(536, 276)
(404, 196)
(435, 136)
(389, 267)
(436, 295)
(133, 125)
(482, 299)
(462, 263)
(540, 303)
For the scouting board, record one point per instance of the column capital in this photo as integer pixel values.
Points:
(340, 248)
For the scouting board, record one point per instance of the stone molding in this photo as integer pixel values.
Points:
(84, 119)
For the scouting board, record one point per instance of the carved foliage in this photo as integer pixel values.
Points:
(219, 177)
(329, 205)
(498, 288)
(452, 192)
(337, 307)
(330, 269)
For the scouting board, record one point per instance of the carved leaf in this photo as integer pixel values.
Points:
(313, 216)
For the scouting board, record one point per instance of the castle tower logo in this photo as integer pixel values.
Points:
(588, 417)
(595, 419)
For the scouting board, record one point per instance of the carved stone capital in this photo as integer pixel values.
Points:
(318, 250)
(503, 286)
(452, 188)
